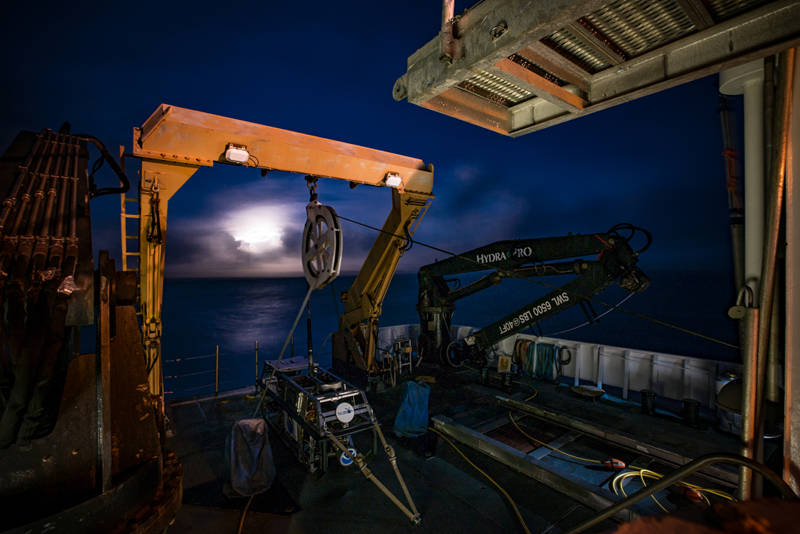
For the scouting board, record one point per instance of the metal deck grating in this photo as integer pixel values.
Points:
(725, 9)
(568, 44)
(578, 57)
(637, 26)
(507, 92)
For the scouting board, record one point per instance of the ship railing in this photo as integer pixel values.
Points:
(209, 373)
(628, 369)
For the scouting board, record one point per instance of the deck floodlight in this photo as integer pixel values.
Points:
(393, 179)
(236, 153)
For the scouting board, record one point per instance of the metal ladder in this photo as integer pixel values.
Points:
(403, 349)
(124, 216)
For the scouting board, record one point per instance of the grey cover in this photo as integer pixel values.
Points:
(252, 466)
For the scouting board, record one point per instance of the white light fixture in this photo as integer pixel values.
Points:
(236, 153)
(393, 179)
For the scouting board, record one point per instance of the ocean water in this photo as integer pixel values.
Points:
(234, 314)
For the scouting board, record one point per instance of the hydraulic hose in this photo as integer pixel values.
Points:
(683, 472)
(95, 192)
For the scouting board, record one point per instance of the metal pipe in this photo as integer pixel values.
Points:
(735, 207)
(748, 332)
(774, 217)
(73, 225)
(11, 200)
(681, 473)
(754, 179)
(791, 422)
(55, 178)
(26, 196)
(39, 194)
(772, 392)
(57, 246)
(71, 252)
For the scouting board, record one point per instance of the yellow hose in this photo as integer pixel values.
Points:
(244, 514)
(639, 472)
(493, 481)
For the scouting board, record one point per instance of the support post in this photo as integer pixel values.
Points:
(106, 275)
(216, 373)
(748, 335)
(748, 79)
(256, 361)
(791, 434)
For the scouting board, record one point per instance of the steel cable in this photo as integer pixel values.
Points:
(551, 286)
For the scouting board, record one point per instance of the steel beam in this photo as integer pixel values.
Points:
(616, 438)
(523, 463)
(697, 12)
(553, 62)
(470, 108)
(190, 137)
(495, 29)
(791, 434)
(488, 32)
(753, 35)
(596, 42)
(541, 87)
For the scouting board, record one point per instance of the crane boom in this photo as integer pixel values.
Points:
(615, 262)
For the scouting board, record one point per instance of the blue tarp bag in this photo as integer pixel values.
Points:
(412, 418)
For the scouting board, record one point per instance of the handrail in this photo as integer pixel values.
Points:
(683, 472)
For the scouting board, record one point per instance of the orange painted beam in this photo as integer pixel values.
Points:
(467, 107)
(182, 135)
(552, 61)
(557, 94)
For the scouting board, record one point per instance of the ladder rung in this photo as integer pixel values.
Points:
(131, 253)
(131, 237)
(131, 199)
(131, 215)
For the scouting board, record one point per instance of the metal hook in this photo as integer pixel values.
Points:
(311, 183)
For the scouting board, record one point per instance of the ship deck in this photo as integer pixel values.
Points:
(449, 493)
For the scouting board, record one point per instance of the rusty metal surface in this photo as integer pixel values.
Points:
(104, 513)
(60, 470)
(596, 498)
(609, 52)
(44, 217)
(197, 138)
(134, 433)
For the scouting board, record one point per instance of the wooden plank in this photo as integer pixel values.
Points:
(544, 88)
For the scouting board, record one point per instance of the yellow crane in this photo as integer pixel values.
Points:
(173, 143)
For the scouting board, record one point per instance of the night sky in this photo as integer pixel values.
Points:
(327, 69)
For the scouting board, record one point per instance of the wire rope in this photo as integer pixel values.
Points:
(551, 286)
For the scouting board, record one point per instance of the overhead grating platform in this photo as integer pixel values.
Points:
(515, 67)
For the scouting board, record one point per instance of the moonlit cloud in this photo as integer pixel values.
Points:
(257, 228)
